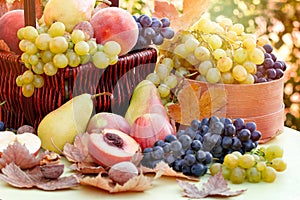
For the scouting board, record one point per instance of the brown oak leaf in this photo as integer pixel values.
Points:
(138, 183)
(215, 186)
(192, 10)
(78, 151)
(163, 169)
(15, 176)
(18, 154)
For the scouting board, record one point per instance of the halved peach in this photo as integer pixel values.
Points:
(111, 146)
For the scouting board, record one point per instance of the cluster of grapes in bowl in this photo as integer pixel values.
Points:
(152, 30)
(271, 68)
(193, 148)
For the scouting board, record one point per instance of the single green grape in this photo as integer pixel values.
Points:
(154, 78)
(82, 48)
(163, 90)
(42, 41)
(77, 35)
(27, 76)
(246, 161)
(100, 60)
(224, 64)
(57, 29)
(27, 89)
(213, 75)
(30, 33)
(60, 60)
(237, 175)
(231, 161)
(268, 174)
(112, 48)
(38, 81)
(58, 44)
(50, 69)
(253, 175)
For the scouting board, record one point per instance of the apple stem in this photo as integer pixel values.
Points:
(103, 93)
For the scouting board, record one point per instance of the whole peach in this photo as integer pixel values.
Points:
(10, 23)
(115, 24)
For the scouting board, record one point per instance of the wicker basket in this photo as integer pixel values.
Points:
(119, 79)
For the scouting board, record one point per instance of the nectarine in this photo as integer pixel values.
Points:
(115, 24)
(10, 23)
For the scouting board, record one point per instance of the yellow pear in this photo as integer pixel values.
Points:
(69, 12)
(62, 125)
(145, 99)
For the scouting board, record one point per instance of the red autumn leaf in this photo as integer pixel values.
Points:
(192, 11)
(18, 154)
(15, 176)
(19, 4)
(215, 186)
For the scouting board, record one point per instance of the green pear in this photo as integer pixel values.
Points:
(145, 99)
(62, 125)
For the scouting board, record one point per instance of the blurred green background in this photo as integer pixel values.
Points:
(279, 20)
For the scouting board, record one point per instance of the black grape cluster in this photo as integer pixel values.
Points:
(194, 148)
(223, 136)
(152, 30)
(271, 69)
(183, 152)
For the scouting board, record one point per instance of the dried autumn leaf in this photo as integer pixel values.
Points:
(78, 152)
(213, 102)
(215, 186)
(198, 100)
(135, 184)
(188, 103)
(87, 168)
(191, 12)
(15, 176)
(3, 45)
(18, 154)
(163, 169)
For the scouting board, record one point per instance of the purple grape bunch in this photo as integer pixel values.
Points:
(271, 68)
(152, 30)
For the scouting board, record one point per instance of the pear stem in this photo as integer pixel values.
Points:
(103, 93)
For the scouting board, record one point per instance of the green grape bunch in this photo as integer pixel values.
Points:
(48, 49)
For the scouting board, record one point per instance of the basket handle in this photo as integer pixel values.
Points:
(30, 15)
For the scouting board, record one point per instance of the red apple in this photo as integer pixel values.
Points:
(31, 141)
(10, 23)
(111, 147)
(115, 24)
